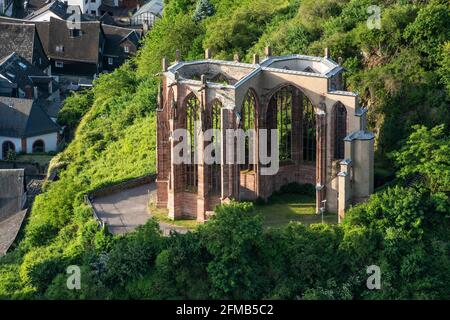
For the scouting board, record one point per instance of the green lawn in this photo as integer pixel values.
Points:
(161, 215)
(279, 212)
(42, 159)
(292, 207)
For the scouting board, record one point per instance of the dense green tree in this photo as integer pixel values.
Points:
(203, 10)
(426, 155)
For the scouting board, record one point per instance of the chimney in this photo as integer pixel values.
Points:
(208, 54)
(28, 92)
(268, 52)
(236, 57)
(327, 53)
(36, 93)
(255, 59)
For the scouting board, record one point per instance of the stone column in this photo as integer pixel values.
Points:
(296, 126)
(321, 149)
(175, 179)
(162, 147)
(224, 175)
(202, 188)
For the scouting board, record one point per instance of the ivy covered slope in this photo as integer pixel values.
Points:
(113, 142)
(402, 74)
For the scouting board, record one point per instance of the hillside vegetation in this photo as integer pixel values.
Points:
(401, 72)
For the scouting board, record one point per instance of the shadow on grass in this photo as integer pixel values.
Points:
(285, 208)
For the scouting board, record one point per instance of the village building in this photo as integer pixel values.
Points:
(83, 49)
(147, 14)
(49, 9)
(21, 79)
(23, 39)
(121, 44)
(322, 138)
(25, 128)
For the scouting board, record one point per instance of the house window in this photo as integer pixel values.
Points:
(93, 12)
(110, 61)
(74, 33)
(126, 49)
(38, 146)
(22, 65)
(59, 64)
(60, 48)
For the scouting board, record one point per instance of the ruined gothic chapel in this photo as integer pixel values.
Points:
(322, 139)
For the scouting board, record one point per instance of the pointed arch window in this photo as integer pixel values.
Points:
(309, 130)
(283, 100)
(340, 130)
(248, 123)
(215, 169)
(191, 122)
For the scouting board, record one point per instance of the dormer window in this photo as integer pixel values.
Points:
(60, 48)
(22, 65)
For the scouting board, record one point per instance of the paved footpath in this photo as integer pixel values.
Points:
(125, 210)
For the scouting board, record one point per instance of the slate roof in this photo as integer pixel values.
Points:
(84, 48)
(154, 6)
(12, 188)
(107, 19)
(23, 39)
(57, 7)
(115, 36)
(51, 108)
(22, 73)
(22, 118)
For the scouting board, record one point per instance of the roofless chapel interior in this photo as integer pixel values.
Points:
(322, 138)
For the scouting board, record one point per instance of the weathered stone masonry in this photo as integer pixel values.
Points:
(323, 139)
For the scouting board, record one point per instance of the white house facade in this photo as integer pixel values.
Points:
(25, 128)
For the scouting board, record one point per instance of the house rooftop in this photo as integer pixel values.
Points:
(154, 6)
(115, 36)
(83, 47)
(22, 118)
(21, 38)
(18, 71)
(56, 7)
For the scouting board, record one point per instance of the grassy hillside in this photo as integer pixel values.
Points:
(402, 74)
